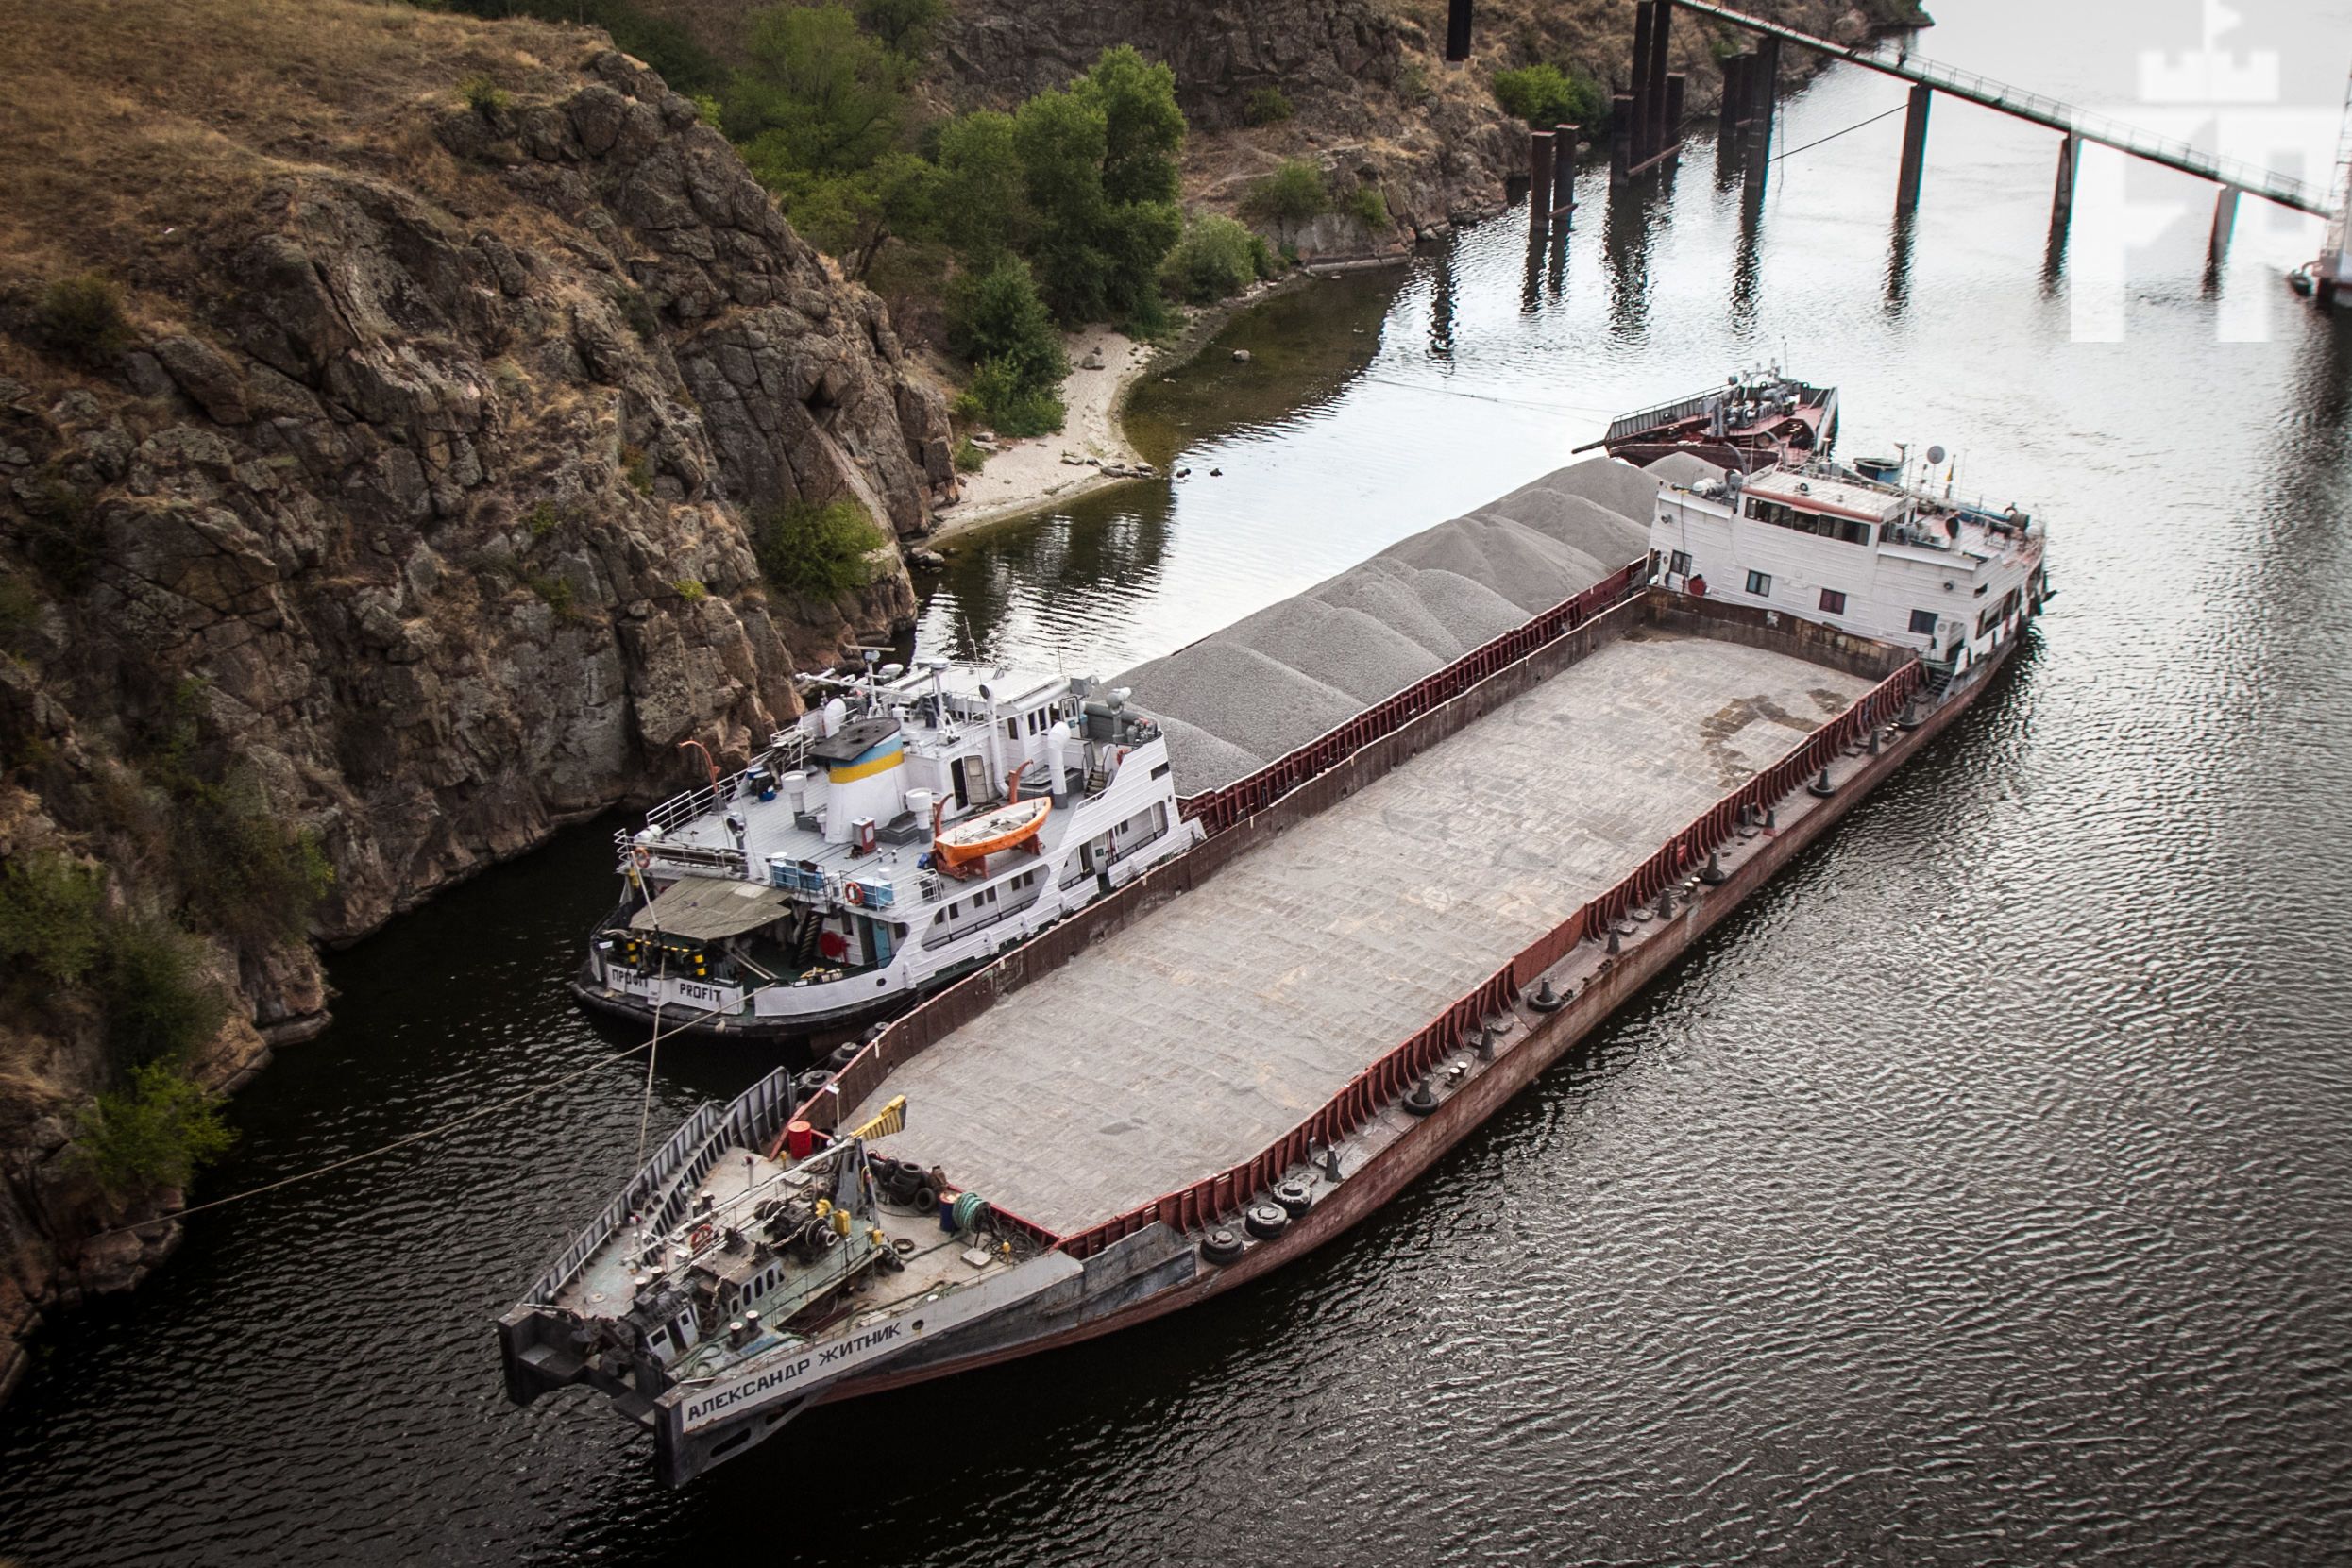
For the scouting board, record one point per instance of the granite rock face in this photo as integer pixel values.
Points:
(424, 505)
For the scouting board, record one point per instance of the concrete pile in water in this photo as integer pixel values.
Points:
(1260, 687)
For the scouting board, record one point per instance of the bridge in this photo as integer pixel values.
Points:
(1646, 121)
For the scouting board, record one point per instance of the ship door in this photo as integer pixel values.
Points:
(963, 791)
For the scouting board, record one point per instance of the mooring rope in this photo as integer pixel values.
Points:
(661, 999)
(1833, 136)
(534, 1092)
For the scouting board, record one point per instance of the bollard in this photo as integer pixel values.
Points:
(1484, 1047)
(1615, 944)
(1545, 1000)
(1822, 786)
(1665, 903)
(1712, 873)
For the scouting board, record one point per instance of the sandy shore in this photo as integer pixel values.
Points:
(1022, 475)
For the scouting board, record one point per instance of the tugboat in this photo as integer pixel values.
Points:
(1757, 419)
(879, 848)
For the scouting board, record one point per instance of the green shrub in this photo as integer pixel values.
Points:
(20, 607)
(999, 315)
(970, 458)
(543, 519)
(638, 469)
(159, 1003)
(637, 311)
(1266, 106)
(1543, 96)
(485, 96)
(904, 27)
(999, 398)
(64, 538)
(1217, 257)
(556, 592)
(1413, 82)
(83, 319)
(690, 589)
(49, 915)
(247, 874)
(1293, 193)
(156, 1131)
(1369, 207)
(806, 549)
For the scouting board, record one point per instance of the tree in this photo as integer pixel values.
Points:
(818, 97)
(852, 215)
(981, 204)
(1143, 130)
(997, 315)
(1061, 140)
(903, 26)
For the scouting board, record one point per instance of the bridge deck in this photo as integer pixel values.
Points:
(2025, 105)
(1196, 1037)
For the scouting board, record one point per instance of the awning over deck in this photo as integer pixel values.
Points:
(704, 909)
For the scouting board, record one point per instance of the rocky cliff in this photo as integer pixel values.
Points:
(407, 498)
(1371, 95)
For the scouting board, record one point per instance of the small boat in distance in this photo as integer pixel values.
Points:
(1757, 420)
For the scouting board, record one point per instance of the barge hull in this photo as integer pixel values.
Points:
(1424, 1141)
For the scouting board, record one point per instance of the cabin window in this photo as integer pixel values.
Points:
(659, 1339)
(1833, 603)
(1160, 772)
(1846, 530)
(1678, 564)
(1923, 623)
(1012, 729)
(1760, 585)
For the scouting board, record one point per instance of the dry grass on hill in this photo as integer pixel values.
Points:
(126, 125)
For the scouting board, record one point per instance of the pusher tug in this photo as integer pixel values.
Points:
(881, 847)
(1232, 1058)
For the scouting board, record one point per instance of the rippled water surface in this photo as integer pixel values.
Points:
(1983, 1192)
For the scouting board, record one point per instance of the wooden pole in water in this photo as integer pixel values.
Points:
(1654, 100)
(1620, 137)
(1638, 152)
(1728, 117)
(1563, 174)
(1914, 150)
(1674, 133)
(1538, 183)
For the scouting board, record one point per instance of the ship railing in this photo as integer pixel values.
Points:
(1371, 1091)
(1219, 809)
(786, 750)
(1664, 413)
(660, 1193)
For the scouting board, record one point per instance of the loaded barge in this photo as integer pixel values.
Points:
(1233, 1056)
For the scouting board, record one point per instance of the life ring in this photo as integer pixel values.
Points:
(703, 1236)
(1120, 756)
(1698, 587)
(853, 892)
(642, 855)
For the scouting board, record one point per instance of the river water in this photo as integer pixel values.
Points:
(1982, 1191)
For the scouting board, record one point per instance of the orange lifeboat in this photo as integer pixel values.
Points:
(1009, 826)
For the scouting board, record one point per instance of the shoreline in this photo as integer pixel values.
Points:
(1033, 473)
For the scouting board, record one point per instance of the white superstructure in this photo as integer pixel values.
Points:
(828, 882)
(1855, 549)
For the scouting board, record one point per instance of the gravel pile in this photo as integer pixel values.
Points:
(1262, 686)
(1338, 647)
(1240, 696)
(1683, 469)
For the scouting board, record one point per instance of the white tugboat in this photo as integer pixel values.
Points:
(1861, 549)
(911, 826)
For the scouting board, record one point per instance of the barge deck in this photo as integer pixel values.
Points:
(1212, 1026)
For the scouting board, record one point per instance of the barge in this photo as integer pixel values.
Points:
(1202, 1075)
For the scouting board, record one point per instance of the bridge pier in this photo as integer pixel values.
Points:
(1620, 138)
(2062, 198)
(1729, 116)
(1458, 30)
(2224, 221)
(1763, 81)
(1914, 150)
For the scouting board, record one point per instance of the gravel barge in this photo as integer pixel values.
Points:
(1384, 933)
